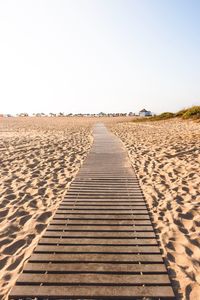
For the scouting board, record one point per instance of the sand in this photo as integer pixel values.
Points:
(39, 158)
(166, 158)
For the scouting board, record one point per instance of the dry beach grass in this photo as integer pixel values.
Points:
(166, 157)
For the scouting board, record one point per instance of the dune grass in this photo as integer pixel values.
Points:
(192, 112)
(180, 113)
(164, 116)
(188, 113)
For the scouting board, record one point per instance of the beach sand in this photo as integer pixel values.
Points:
(166, 158)
(39, 158)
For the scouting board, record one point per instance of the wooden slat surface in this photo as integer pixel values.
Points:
(96, 241)
(99, 228)
(96, 249)
(97, 257)
(96, 234)
(92, 292)
(104, 279)
(86, 222)
(100, 243)
(96, 268)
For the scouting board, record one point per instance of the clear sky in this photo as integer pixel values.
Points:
(99, 55)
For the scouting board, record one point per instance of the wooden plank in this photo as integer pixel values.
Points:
(104, 194)
(97, 257)
(104, 190)
(109, 197)
(106, 178)
(102, 206)
(104, 201)
(118, 187)
(102, 216)
(101, 234)
(94, 279)
(103, 185)
(92, 241)
(116, 208)
(77, 183)
(104, 182)
(100, 222)
(97, 249)
(98, 268)
(77, 189)
(82, 292)
(113, 228)
(103, 211)
(83, 198)
(107, 191)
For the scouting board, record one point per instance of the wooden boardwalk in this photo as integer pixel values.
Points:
(100, 243)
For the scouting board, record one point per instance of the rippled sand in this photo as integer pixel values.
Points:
(39, 158)
(166, 157)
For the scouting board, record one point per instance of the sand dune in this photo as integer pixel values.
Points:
(166, 157)
(39, 158)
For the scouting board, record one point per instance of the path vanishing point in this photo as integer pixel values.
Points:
(100, 243)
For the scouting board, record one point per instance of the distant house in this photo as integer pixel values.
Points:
(39, 115)
(23, 115)
(145, 113)
(60, 114)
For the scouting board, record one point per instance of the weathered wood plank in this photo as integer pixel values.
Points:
(98, 257)
(102, 216)
(97, 249)
(102, 241)
(94, 279)
(98, 292)
(98, 268)
(100, 222)
(102, 234)
(91, 227)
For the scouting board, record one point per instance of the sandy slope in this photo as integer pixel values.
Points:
(39, 157)
(166, 157)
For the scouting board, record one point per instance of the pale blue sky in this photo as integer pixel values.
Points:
(99, 55)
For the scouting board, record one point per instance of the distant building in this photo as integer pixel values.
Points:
(101, 114)
(145, 113)
(39, 115)
(60, 114)
(22, 115)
